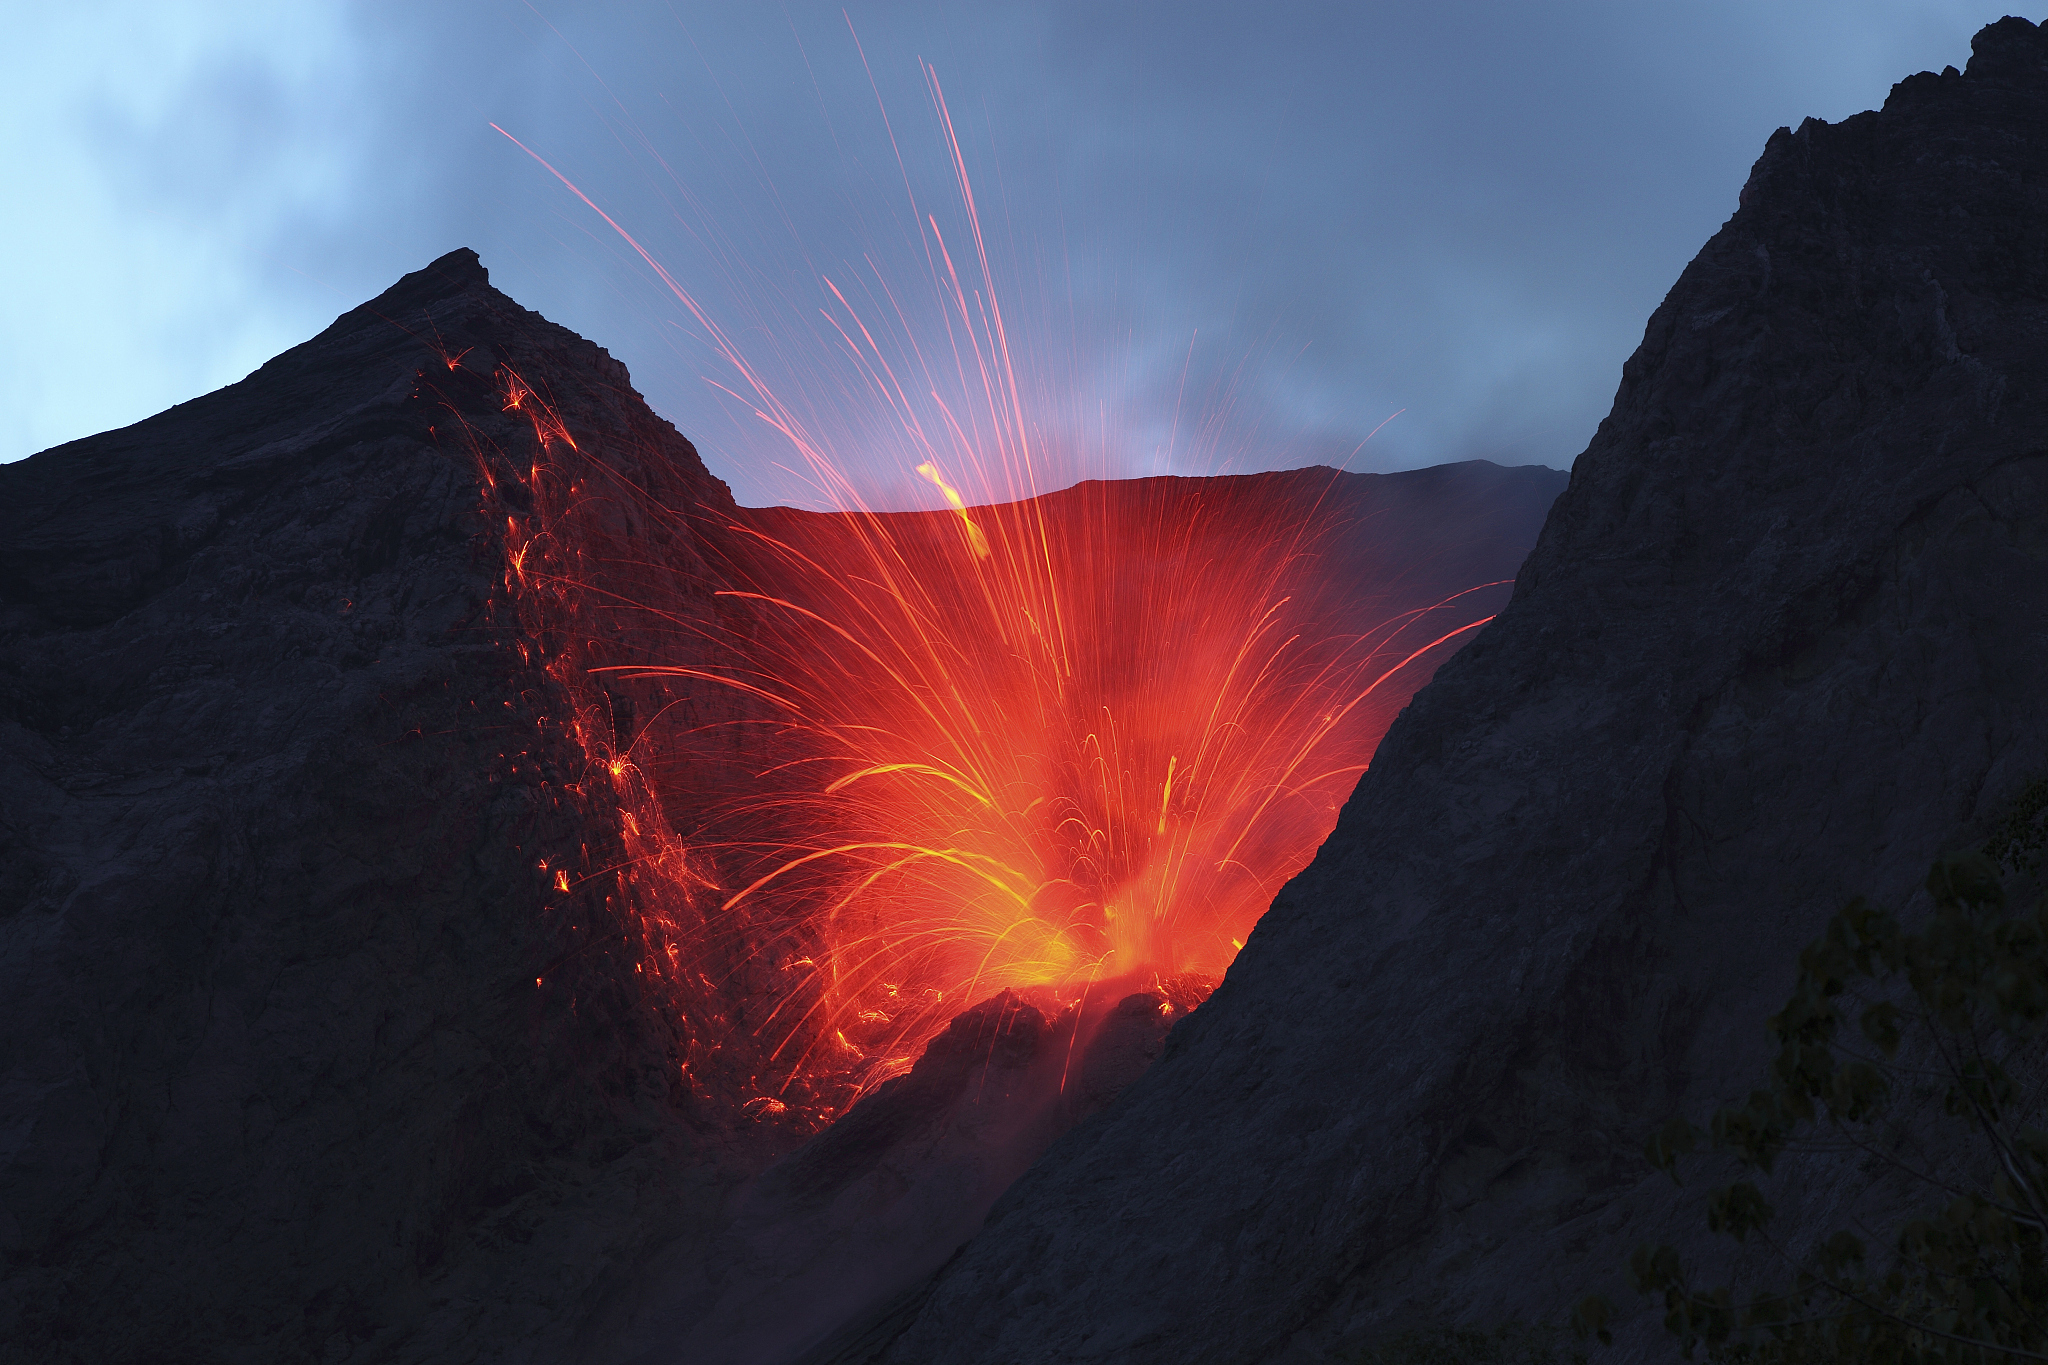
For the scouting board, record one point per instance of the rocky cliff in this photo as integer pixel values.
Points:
(305, 1052)
(1781, 641)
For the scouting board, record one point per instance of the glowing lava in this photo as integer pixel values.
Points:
(875, 767)
(872, 768)
(1055, 742)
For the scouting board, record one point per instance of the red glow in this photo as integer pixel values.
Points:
(1051, 743)
(872, 768)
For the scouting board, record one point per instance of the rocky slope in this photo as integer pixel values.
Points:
(1781, 641)
(303, 1047)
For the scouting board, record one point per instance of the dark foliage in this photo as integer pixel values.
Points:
(1875, 1013)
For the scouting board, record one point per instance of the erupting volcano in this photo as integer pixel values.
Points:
(1063, 743)
(1067, 746)
(620, 839)
(472, 890)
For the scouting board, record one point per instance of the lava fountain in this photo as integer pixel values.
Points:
(874, 767)
(1054, 743)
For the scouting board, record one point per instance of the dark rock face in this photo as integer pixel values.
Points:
(304, 1050)
(1781, 642)
(876, 1203)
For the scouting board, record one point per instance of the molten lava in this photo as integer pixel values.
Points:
(873, 768)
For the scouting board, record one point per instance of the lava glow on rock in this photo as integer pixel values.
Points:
(873, 768)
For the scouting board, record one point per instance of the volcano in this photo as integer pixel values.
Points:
(391, 737)
(431, 811)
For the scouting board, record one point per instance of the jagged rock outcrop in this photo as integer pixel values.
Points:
(1782, 641)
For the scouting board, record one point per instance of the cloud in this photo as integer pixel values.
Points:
(162, 156)
(1221, 239)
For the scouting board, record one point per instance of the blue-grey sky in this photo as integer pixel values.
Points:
(1223, 236)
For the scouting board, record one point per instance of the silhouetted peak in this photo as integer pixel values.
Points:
(458, 272)
(2010, 49)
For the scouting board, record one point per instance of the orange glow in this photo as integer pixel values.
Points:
(1090, 746)
(1079, 751)
(869, 769)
